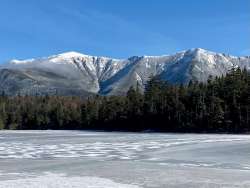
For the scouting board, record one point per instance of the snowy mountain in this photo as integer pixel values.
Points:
(73, 73)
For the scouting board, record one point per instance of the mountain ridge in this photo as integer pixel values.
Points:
(73, 73)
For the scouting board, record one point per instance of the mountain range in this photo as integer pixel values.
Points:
(73, 73)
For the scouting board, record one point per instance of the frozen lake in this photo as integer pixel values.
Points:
(122, 160)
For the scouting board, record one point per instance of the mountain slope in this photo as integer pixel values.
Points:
(73, 73)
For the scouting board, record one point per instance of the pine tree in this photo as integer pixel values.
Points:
(1, 123)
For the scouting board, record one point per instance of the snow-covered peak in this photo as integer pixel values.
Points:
(197, 51)
(68, 56)
(71, 55)
(60, 58)
(204, 52)
(200, 50)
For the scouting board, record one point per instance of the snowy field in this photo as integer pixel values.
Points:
(52, 159)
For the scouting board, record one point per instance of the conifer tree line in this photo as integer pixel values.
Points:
(220, 105)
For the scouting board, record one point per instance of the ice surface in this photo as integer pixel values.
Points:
(50, 180)
(99, 159)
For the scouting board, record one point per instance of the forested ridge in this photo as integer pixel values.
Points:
(220, 105)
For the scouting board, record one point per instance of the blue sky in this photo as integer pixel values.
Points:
(116, 28)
